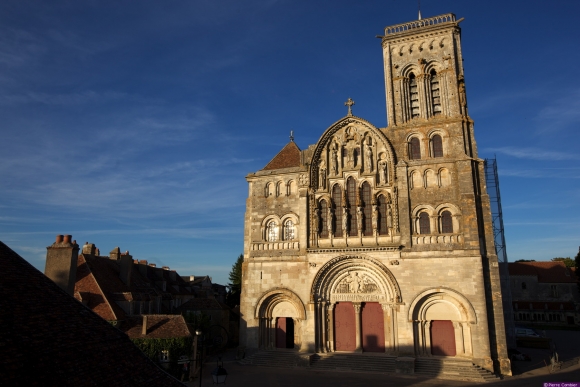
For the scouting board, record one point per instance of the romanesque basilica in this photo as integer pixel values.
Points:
(380, 239)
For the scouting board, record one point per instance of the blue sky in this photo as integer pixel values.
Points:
(133, 124)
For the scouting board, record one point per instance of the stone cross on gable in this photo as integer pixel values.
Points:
(349, 102)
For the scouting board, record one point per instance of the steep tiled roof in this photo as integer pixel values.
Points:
(288, 157)
(48, 338)
(202, 304)
(90, 293)
(159, 326)
(547, 272)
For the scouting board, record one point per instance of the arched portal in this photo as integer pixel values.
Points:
(355, 299)
(442, 320)
(280, 313)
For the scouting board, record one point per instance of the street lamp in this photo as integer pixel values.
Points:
(219, 374)
(198, 333)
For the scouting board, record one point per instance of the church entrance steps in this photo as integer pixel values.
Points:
(277, 358)
(452, 369)
(353, 362)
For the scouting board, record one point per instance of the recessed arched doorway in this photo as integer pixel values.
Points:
(355, 302)
(280, 313)
(442, 322)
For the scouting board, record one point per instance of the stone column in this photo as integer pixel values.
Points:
(272, 338)
(323, 327)
(395, 333)
(386, 326)
(357, 324)
(427, 333)
(330, 311)
(459, 347)
(467, 338)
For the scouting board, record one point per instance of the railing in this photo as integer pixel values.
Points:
(448, 17)
(276, 245)
(433, 239)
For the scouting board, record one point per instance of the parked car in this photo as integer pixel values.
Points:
(514, 354)
(526, 332)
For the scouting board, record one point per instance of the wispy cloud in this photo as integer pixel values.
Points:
(560, 113)
(532, 153)
(542, 173)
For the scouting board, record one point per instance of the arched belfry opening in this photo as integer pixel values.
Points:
(355, 305)
(280, 313)
(442, 323)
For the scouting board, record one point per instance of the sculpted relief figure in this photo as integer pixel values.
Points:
(354, 283)
(359, 219)
(322, 175)
(389, 216)
(330, 221)
(368, 156)
(344, 221)
(375, 218)
(383, 171)
(334, 160)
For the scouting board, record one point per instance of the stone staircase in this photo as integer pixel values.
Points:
(277, 358)
(347, 362)
(452, 369)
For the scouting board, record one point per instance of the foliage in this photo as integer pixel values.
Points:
(197, 320)
(526, 260)
(235, 284)
(569, 262)
(176, 346)
(577, 266)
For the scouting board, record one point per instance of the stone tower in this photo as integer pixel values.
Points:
(379, 239)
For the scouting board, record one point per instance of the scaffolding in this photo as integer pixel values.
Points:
(492, 182)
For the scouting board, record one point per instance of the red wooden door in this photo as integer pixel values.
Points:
(344, 327)
(373, 327)
(442, 338)
(281, 332)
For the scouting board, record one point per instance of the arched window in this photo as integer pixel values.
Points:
(351, 193)
(279, 188)
(368, 209)
(382, 204)
(446, 223)
(414, 149)
(437, 146)
(424, 224)
(323, 225)
(337, 201)
(268, 190)
(272, 231)
(290, 188)
(435, 96)
(289, 230)
(413, 96)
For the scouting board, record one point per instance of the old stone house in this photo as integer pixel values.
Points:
(544, 293)
(115, 286)
(379, 239)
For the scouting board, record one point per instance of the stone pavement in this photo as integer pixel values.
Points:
(303, 377)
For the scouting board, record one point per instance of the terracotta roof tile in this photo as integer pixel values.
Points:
(288, 157)
(547, 272)
(50, 339)
(159, 326)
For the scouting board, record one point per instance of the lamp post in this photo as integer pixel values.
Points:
(198, 333)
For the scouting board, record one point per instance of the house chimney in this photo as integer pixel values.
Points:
(115, 254)
(125, 266)
(61, 263)
(144, 328)
(88, 248)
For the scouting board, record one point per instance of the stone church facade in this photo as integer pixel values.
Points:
(380, 239)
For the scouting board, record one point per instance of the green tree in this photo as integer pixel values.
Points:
(235, 284)
(577, 266)
(569, 262)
